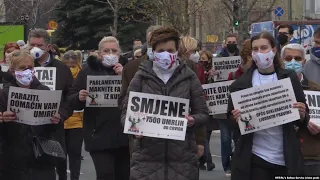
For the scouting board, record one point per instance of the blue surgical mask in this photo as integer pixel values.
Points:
(150, 54)
(316, 51)
(294, 65)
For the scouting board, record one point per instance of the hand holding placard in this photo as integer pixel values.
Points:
(9, 116)
(55, 119)
(83, 94)
(236, 114)
(118, 68)
(302, 109)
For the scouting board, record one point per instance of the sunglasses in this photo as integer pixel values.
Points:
(137, 57)
(289, 58)
(70, 56)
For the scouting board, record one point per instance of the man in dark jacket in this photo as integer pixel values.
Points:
(41, 39)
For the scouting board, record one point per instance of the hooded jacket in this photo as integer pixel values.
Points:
(312, 69)
(162, 159)
(102, 128)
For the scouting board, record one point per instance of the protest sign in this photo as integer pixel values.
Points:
(225, 65)
(47, 76)
(265, 106)
(4, 68)
(104, 91)
(156, 116)
(217, 95)
(313, 101)
(33, 107)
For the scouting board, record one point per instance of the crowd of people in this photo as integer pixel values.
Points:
(170, 65)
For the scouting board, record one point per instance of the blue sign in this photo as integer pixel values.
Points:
(279, 11)
(257, 28)
(303, 34)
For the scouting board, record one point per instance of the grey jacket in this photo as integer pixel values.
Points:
(161, 159)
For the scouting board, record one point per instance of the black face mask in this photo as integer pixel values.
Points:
(232, 48)
(282, 38)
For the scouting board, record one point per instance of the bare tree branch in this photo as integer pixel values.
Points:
(269, 9)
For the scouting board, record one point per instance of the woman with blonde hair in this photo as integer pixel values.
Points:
(73, 125)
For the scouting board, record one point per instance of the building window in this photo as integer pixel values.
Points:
(317, 7)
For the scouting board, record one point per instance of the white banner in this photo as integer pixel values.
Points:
(313, 101)
(217, 95)
(224, 66)
(156, 116)
(47, 76)
(4, 68)
(33, 107)
(265, 106)
(104, 91)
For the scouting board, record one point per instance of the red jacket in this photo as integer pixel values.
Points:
(237, 74)
(201, 76)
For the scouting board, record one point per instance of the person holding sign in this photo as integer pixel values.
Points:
(274, 151)
(39, 41)
(293, 56)
(102, 129)
(73, 125)
(20, 162)
(167, 76)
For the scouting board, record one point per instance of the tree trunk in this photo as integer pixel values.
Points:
(115, 18)
(186, 24)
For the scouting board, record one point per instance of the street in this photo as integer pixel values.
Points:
(88, 172)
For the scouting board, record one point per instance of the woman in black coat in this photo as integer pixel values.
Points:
(19, 162)
(273, 151)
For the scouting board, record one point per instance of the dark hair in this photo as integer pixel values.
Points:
(164, 34)
(246, 50)
(56, 48)
(266, 35)
(136, 40)
(40, 33)
(209, 55)
(232, 35)
(286, 26)
(317, 32)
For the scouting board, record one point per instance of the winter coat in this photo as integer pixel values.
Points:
(19, 160)
(162, 159)
(241, 159)
(102, 128)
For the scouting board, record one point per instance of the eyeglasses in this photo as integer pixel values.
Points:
(112, 51)
(67, 56)
(289, 58)
(137, 57)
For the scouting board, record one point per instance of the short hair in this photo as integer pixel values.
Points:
(290, 28)
(40, 33)
(8, 46)
(317, 32)
(164, 34)
(17, 56)
(246, 51)
(232, 35)
(153, 28)
(187, 44)
(293, 46)
(108, 39)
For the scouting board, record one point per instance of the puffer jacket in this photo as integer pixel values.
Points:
(162, 159)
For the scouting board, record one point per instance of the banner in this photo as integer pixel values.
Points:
(313, 101)
(265, 106)
(156, 116)
(33, 107)
(224, 66)
(47, 76)
(217, 95)
(104, 91)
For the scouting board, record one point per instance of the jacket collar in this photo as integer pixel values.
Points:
(34, 84)
(47, 63)
(305, 82)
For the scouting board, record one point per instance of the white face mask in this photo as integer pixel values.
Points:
(36, 52)
(24, 77)
(165, 60)
(110, 60)
(263, 60)
(150, 54)
(195, 57)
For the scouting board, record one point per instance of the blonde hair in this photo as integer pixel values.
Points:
(79, 53)
(108, 39)
(70, 52)
(137, 51)
(17, 56)
(187, 44)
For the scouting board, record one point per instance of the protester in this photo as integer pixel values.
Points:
(285, 34)
(73, 125)
(136, 44)
(20, 162)
(274, 151)
(103, 134)
(8, 48)
(137, 53)
(21, 43)
(39, 41)
(294, 59)
(312, 68)
(169, 158)
(231, 46)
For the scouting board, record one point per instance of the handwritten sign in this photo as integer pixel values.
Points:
(265, 106)
(224, 66)
(156, 116)
(313, 101)
(47, 76)
(104, 91)
(33, 107)
(217, 95)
